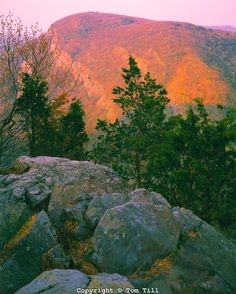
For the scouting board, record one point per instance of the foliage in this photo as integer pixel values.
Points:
(195, 167)
(70, 134)
(33, 107)
(26, 50)
(188, 158)
(125, 143)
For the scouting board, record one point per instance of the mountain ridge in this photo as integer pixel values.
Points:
(191, 61)
(227, 28)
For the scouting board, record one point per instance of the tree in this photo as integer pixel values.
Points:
(125, 143)
(50, 129)
(27, 50)
(195, 166)
(189, 158)
(70, 133)
(34, 110)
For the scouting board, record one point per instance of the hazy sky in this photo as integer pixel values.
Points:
(203, 12)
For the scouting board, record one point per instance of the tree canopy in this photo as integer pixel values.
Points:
(189, 158)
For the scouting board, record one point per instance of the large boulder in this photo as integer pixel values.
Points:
(204, 261)
(73, 281)
(99, 205)
(29, 187)
(145, 196)
(114, 282)
(68, 179)
(56, 282)
(205, 251)
(132, 236)
(21, 257)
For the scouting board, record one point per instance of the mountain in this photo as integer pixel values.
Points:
(191, 61)
(223, 28)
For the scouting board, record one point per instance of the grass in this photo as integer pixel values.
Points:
(159, 266)
(79, 250)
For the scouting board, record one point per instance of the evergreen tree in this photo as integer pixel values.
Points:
(33, 107)
(194, 166)
(125, 143)
(188, 158)
(71, 135)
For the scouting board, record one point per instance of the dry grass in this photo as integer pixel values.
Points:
(79, 249)
(12, 243)
(192, 234)
(159, 266)
(70, 225)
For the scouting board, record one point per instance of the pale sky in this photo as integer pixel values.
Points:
(202, 12)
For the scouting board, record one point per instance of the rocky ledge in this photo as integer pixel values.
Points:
(68, 225)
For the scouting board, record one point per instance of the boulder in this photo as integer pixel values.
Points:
(13, 214)
(204, 261)
(55, 258)
(21, 257)
(72, 281)
(99, 204)
(116, 282)
(205, 250)
(56, 282)
(132, 236)
(145, 196)
(69, 179)
(29, 187)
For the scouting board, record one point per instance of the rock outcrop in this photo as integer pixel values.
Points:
(66, 225)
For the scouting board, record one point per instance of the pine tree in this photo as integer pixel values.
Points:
(125, 143)
(34, 109)
(71, 134)
(194, 165)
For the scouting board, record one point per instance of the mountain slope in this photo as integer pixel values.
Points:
(191, 61)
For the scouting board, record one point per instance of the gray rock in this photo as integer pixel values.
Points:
(204, 262)
(13, 214)
(28, 187)
(99, 204)
(145, 196)
(203, 249)
(75, 225)
(69, 179)
(21, 258)
(116, 282)
(187, 219)
(55, 258)
(132, 236)
(56, 282)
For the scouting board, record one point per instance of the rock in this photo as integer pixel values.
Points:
(205, 250)
(29, 187)
(55, 258)
(99, 204)
(132, 236)
(21, 257)
(69, 179)
(56, 282)
(72, 281)
(145, 196)
(116, 282)
(75, 225)
(103, 229)
(13, 214)
(204, 261)
(187, 219)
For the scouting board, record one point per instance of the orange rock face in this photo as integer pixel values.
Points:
(189, 60)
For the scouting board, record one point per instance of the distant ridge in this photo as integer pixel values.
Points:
(223, 28)
(191, 61)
